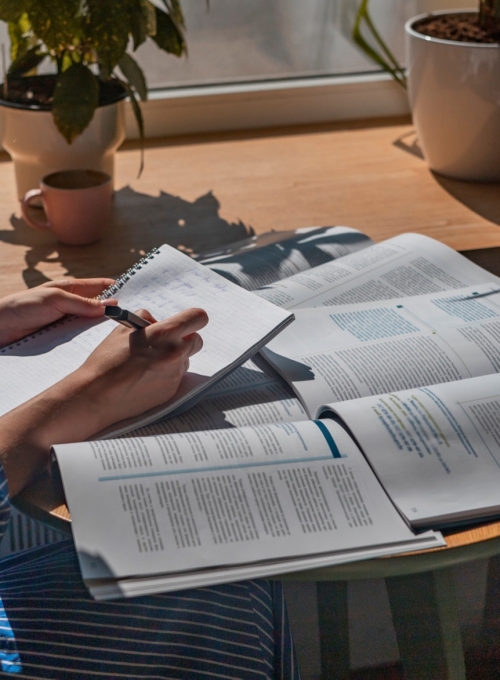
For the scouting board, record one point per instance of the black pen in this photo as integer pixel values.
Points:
(125, 317)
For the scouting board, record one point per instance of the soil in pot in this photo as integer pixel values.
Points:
(458, 26)
(36, 92)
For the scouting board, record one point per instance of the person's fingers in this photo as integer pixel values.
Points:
(193, 343)
(182, 324)
(144, 314)
(83, 287)
(68, 303)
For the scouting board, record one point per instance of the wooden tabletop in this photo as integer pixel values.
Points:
(200, 191)
(197, 192)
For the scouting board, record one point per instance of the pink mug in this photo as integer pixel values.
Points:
(77, 205)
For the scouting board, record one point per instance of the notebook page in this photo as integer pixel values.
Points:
(165, 283)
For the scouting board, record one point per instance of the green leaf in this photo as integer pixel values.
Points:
(150, 15)
(76, 97)
(142, 21)
(20, 40)
(139, 119)
(138, 26)
(107, 29)
(384, 58)
(27, 61)
(67, 61)
(57, 22)
(175, 11)
(168, 36)
(134, 75)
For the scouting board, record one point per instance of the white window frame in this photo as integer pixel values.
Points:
(216, 108)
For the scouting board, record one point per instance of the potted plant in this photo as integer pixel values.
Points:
(453, 81)
(74, 117)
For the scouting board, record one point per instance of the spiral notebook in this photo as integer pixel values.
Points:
(164, 282)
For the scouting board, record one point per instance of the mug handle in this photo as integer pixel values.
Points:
(29, 196)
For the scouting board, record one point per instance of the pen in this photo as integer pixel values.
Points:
(125, 317)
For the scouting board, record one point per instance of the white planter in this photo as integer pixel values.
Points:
(454, 91)
(38, 148)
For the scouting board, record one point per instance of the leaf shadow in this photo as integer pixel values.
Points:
(139, 223)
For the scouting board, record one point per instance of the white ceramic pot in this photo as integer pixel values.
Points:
(38, 148)
(454, 91)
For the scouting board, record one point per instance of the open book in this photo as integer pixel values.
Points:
(264, 259)
(224, 505)
(435, 449)
(377, 347)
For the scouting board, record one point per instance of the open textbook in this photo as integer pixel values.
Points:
(165, 282)
(371, 348)
(267, 258)
(152, 514)
(435, 449)
(409, 264)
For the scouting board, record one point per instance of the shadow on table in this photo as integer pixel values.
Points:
(139, 223)
(481, 197)
(409, 143)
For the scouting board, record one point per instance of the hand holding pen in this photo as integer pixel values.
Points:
(125, 317)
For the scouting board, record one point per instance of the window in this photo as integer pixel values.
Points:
(259, 40)
(255, 63)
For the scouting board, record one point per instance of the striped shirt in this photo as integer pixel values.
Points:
(51, 628)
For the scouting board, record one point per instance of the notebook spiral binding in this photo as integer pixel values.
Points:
(122, 280)
(105, 295)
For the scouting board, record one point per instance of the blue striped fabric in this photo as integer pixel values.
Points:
(51, 628)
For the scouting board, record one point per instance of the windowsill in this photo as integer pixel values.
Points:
(268, 104)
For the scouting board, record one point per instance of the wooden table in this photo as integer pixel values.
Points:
(198, 192)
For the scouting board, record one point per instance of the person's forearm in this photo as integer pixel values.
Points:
(66, 412)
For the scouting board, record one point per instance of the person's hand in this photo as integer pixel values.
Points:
(128, 373)
(132, 372)
(26, 312)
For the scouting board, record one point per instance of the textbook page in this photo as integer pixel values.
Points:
(199, 500)
(252, 266)
(435, 449)
(372, 348)
(268, 238)
(164, 283)
(406, 265)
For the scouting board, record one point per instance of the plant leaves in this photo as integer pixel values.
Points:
(134, 75)
(76, 97)
(27, 61)
(139, 119)
(175, 11)
(11, 10)
(150, 15)
(56, 22)
(138, 25)
(108, 27)
(384, 58)
(142, 21)
(168, 36)
(19, 43)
